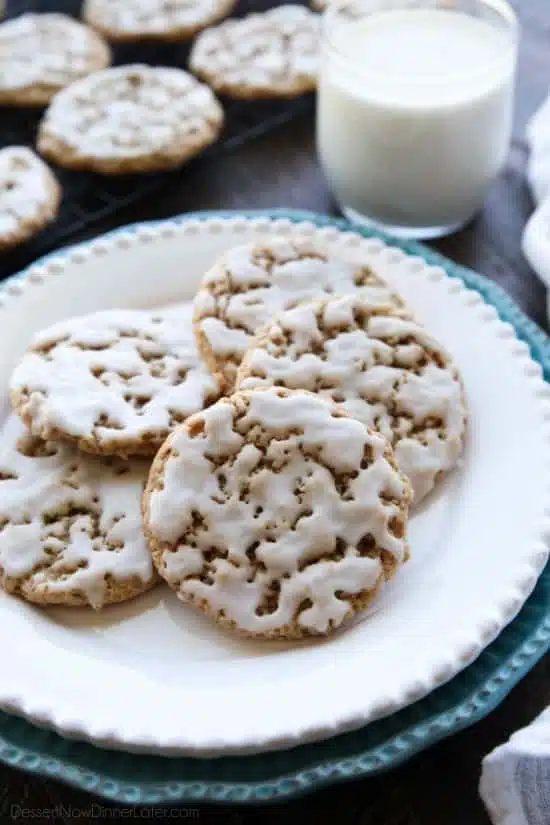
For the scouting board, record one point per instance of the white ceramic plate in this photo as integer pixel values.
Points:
(153, 675)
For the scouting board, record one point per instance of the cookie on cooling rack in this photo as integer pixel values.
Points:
(114, 382)
(351, 9)
(42, 53)
(134, 20)
(384, 369)
(70, 525)
(250, 284)
(276, 513)
(29, 195)
(132, 118)
(266, 54)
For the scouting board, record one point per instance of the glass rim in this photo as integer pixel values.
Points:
(502, 8)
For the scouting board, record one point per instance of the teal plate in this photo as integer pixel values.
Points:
(470, 696)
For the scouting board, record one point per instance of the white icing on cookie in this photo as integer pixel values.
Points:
(135, 19)
(153, 115)
(273, 512)
(69, 524)
(29, 194)
(250, 284)
(118, 380)
(41, 53)
(385, 369)
(267, 53)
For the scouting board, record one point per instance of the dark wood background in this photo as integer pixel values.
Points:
(438, 787)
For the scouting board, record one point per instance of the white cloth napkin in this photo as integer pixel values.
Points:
(515, 777)
(536, 236)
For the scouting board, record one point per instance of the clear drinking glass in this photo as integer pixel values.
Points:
(414, 108)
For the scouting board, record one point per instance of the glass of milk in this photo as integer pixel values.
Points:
(414, 109)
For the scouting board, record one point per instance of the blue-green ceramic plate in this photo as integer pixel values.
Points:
(381, 745)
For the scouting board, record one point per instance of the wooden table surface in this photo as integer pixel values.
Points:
(438, 787)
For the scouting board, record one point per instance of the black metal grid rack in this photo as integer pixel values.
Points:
(89, 198)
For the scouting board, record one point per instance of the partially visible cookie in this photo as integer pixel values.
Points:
(70, 525)
(29, 195)
(276, 513)
(250, 284)
(266, 54)
(42, 53)
(384, 369)
(164, 20)
(132, 118)
(114, 382)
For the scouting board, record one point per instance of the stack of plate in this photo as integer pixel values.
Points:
(443, 647)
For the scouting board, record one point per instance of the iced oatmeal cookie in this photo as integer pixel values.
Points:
(29, 195)
(383, 368)
(70, 525)
(163, 20)
(250, 284)
(276, 513)
(113, 382)
(266, 54)
(130, 118)
(42, 53)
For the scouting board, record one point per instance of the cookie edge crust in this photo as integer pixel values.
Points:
(61, 152)
(249, 92)
(224, 372)
(116, 591)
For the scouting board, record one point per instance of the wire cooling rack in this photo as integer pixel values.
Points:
(89, 198)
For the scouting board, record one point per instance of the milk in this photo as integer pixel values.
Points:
(414, 114)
